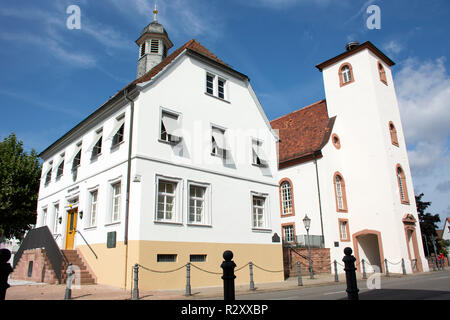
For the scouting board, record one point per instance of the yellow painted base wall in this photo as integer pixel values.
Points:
(110, 265)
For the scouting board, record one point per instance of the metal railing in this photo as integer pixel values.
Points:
(301, 241)
(92, 250)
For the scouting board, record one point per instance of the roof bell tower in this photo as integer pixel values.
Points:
(154, 43)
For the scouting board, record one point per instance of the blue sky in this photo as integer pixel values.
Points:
(53, 77)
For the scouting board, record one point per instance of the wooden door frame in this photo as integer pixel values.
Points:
(75, 211)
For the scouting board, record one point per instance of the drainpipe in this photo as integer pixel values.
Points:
(320, 201)
(127, 198)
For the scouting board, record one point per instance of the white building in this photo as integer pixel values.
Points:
(446, 232)
(170, 170)
(343, 162)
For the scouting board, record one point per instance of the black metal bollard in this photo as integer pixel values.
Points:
(387, 268)
(336, 278)
(188, 279)
(252, 283)
(364, 269)
(299, 271)
(350, 274)
(5, 270)
(68, 294)
(403, 267)
(136, 282)
(228, 276)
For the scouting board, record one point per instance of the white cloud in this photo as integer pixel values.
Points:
(393, 47)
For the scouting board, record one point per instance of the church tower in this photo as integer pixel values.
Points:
(154, 43)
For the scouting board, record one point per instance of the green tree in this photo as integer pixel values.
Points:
(20, 174)
(428, 224)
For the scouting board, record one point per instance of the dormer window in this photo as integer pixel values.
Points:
(154, 46)
(346, 74)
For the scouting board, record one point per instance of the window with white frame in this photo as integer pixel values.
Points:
(167, 200)
(343, 230)
(218, 144)
(346, 74)
(216, 86)
(259, 211)
(210, 83)
(221, 88)
(339, 198)
(55, 218)
(170, 122)
(93, 198)
(288, 232)
(77, 158)
(116, 201)
(198, 212)
(286, 197)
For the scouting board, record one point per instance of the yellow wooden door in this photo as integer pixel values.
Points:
(71, 228)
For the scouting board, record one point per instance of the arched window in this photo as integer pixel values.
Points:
(346, 74)
(402, 189)
(339, 189)
(393, 133)
(286, 198)
(382, 73)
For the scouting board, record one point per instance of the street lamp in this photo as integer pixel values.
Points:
(307, 223)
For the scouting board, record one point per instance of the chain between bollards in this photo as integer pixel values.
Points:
(68, 294)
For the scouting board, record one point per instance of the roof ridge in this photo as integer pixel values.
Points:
(301, 109)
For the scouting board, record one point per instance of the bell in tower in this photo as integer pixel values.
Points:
(154, 44)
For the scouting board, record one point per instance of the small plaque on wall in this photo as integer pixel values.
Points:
(276, 237)
(111, 239)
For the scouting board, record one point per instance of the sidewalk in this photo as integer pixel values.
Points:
(23, 290)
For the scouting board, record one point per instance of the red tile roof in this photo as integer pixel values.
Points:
(303, 132)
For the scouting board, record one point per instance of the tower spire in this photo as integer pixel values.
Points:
(155, 12)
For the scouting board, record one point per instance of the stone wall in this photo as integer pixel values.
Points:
(320, 261)
(41, 269)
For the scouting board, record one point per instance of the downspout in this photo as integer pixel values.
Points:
(320, 201)
(127, 197)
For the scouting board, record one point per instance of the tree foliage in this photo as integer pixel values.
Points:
(428, 224)
(20, 174)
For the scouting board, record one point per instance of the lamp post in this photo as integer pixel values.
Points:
(307, 223)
